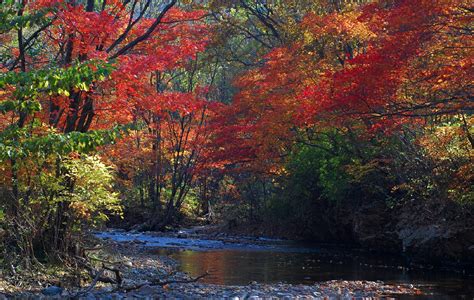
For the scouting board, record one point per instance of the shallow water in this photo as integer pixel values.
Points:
(238, 267)
(272, 261)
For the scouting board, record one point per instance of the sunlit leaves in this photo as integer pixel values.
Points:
(60, 81)
(18, 143)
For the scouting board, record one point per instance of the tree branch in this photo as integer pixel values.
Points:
(147, 34)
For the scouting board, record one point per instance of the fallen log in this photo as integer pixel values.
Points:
(162, 283)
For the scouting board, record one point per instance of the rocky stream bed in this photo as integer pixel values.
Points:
(145, 273)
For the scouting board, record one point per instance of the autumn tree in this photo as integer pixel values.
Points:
(73, 72)
(374, 82)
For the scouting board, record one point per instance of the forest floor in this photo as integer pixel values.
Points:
(147, 275)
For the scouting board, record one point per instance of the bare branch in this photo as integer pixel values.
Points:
(147, 34)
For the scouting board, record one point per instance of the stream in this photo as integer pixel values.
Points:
(242, 260)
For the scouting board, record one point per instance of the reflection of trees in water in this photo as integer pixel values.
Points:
(240, 267)
(216, 263)
(235, 267)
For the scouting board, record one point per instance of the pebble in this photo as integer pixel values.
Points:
(128, 264)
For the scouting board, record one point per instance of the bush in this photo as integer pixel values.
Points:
(60, 199)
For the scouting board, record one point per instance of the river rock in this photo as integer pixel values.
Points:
(147, 290)
(128, 264)
(52, 291)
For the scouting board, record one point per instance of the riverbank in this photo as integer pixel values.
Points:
(438, 235)
(146, 275)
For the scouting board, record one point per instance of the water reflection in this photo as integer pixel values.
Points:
(238, 267)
